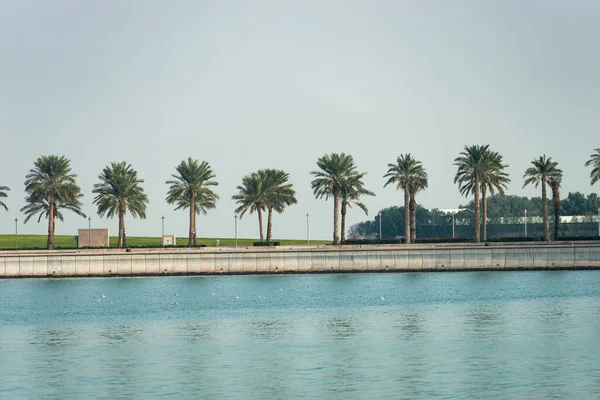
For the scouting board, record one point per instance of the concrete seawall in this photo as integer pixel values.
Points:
(297, 260)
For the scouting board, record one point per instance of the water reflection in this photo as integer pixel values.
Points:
(51, 338)
(195, 333)
(122, 333)
(411, 326)
(268, 328)
(341, 328)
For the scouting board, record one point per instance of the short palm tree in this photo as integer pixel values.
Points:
(543, 171)
(278, 195)
(493, 179)
(252, 197)
(191, 188)
(472, 164)
(50, 185)
(403, 173)
(555, 186)
(594, 161)
(350, 194)
(3, 190)
(334, 170)
(120, 190)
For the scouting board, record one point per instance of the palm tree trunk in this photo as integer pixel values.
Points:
(477, 211)
(122, 242)
(51, 223)
(260, 225)
(556, 203)
(192, 230)
(484, 206)
(407, 215)
(545, 211)
(413, 217)
(270, 225)
(336, 212)
(344, 206)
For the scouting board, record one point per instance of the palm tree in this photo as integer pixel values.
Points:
(50, 184)
(555, 186)
(278, 195)
(43, 209)
(252, 197)
(119, 189)
(418, 183)
(403, 173)
(493, 178)
(3, 190)
(543, 171)
(594, 161)
(350, 194)
(191, 188)
(472, 164)
(334, 170)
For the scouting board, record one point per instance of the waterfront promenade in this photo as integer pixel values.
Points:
(299, 259)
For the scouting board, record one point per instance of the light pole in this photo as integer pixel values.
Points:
(163, 225)
(235, 218)
(525, 222)
(307, 229)
(16, 233)
(453, 225)
(89, 231)
(598, 221)
(379, 225)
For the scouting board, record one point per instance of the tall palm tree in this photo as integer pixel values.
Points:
(418, 183)
(594, 161)
(252, 197)
(350, 194)
(334, 170)
(3, 190)
(493, 178)
(472, 164)
(48, 184)
(403, 173)
(278, 194)
(555, 186)
(119, 190)
(543, 171)
(191, 188)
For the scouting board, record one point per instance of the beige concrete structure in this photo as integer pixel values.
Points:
(93, 238)
(169, 240)
(116, 262)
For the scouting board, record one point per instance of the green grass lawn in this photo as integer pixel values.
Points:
(8, 242)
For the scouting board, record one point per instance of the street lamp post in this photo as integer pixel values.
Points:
(379, 225)
(89, 231)
(453, 225)
(16, 234)
(235, 218)
(163, 225)
(525, 222)
(307, 229)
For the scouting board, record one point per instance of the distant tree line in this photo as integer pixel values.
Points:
(505, 218)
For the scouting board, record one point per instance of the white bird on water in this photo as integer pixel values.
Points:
(382, 298)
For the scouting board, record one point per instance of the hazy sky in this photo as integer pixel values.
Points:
(256, 84)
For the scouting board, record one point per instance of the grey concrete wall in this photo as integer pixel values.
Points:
(224, 261)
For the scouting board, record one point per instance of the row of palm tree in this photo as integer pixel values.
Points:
(51, 188)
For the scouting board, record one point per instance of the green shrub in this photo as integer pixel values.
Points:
(576, 238)
(371, 241)
(258, 244)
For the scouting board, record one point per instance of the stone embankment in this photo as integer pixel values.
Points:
(299, 259)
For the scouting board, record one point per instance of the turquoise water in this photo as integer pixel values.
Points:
(501, 335)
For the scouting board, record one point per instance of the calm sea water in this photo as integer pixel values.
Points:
(501, 335)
